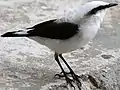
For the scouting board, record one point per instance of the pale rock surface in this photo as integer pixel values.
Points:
(26, 65)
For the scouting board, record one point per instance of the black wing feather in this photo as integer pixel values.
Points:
(54, 30)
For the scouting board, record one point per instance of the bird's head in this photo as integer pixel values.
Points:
(94, 8)
(90, 15)
(97, 8)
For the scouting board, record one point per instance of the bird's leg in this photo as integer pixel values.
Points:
(68, 80)
(74, 76)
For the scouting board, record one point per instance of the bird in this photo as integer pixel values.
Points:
(67, 33)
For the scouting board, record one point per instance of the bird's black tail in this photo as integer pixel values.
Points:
(20, 33)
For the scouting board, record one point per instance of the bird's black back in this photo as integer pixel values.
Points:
(54, 30)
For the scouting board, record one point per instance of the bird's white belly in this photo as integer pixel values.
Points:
(61, 46)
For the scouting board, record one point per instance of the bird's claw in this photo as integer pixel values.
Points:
(61, 75)
(70, 82)
(75, 79)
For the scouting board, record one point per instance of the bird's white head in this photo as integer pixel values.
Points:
(89, 17)
(94, 8)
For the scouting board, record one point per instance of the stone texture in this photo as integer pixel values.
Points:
(26, 65)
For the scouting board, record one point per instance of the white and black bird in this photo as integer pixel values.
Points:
(66, 34)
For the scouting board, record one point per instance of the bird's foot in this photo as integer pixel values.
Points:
(70, 82)
(75, 79)
(61, 74)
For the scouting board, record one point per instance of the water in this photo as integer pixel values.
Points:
(25, 65)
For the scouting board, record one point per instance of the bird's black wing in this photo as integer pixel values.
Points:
(54, 30)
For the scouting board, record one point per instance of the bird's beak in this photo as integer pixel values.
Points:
(112, 4)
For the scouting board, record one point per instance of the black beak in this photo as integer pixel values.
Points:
(112, 4)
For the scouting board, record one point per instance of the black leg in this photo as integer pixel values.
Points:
(75, 77)
(66, 63)
(68, 80)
